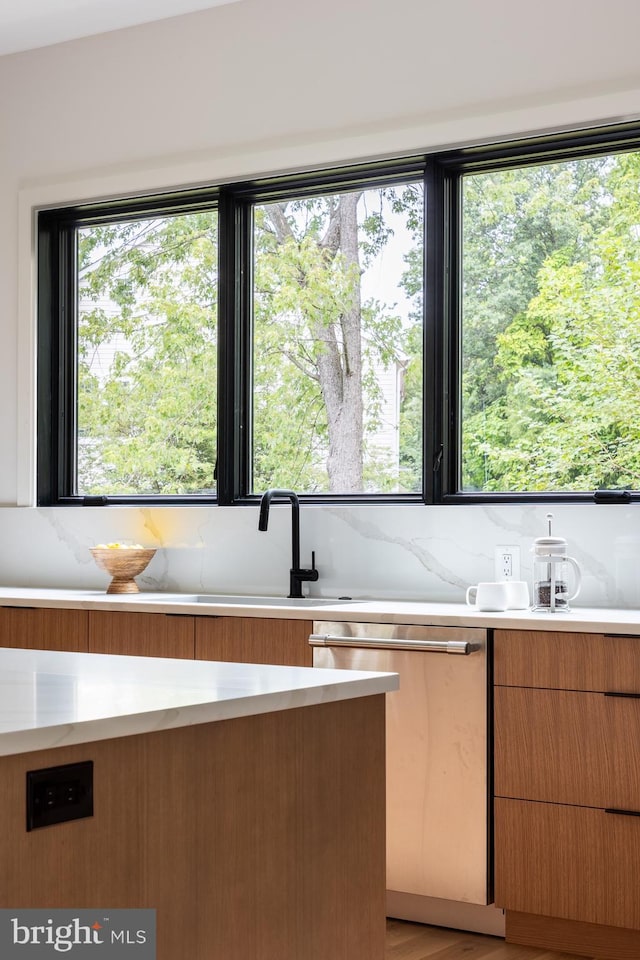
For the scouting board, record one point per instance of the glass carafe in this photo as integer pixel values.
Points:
(553, 574)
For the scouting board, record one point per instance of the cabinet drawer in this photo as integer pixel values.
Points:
(141, 634)
(576, 863)
(567, 747)
(254, 640)
(569, 661)
(41, 628)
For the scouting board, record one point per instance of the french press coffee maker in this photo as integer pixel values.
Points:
(551, 567)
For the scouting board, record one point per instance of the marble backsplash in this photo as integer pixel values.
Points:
(388, 552)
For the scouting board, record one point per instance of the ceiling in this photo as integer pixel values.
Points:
(28, 24)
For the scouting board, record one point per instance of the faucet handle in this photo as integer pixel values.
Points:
(304, 575)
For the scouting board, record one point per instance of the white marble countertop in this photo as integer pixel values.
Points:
(51, 699)
(579, 619)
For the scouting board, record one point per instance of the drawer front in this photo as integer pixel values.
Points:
(254, 640)
(567, 661)
(141, 634)
(567, 747)
(43, 628)
(576, 863)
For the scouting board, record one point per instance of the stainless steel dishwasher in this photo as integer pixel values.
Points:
(437, 764)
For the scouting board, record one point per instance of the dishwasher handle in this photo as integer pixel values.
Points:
(462, 647)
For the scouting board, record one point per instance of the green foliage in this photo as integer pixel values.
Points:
(147, 356)
(550, 349)
(147, 344)
(411, 416)
(565, 370)
(304, 289)
(550, 340)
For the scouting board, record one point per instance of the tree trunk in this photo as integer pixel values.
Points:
(340, 370)
(339, 362)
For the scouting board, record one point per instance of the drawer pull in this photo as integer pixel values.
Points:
(623, 813)
(628, 696)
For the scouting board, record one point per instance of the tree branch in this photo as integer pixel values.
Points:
(300, 366)
(331, 239)
(282, 227)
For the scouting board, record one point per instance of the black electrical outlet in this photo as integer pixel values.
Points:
(58, 794)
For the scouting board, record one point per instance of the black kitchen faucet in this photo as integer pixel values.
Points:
(297, 575)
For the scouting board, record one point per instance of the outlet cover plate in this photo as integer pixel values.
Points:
(59, 794)
(507, 562)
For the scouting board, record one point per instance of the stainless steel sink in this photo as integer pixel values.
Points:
(272, 601)
(236, 599)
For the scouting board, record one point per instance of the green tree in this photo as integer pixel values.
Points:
(310, 319)
(148, 339)
(147, 356)
(568, 364)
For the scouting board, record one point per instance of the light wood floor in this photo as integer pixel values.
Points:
(414, 941)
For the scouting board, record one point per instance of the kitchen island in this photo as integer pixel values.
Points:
(244, 803)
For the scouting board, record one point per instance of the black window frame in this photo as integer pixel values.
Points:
(56, 338)
(442, 175)
(56, 428)
(452, 166)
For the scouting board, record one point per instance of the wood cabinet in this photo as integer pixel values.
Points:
(44, 628)
(579, 863)
(562, 746)
(255, 837)
(254, 640)
(133, 633)
(567, 790)
(141, 634)
(567, 661)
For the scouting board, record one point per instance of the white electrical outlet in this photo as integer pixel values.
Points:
(507, 563)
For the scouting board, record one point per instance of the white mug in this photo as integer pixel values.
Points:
(489, 595)
(518, 591)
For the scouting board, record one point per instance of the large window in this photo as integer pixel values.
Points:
(128, 351)
(551, 326)
(209, 346)
(460, 327)
(337, 342)
(146, 356)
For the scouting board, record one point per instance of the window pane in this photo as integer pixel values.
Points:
(550, 326)
(146, 355)
(337, 359)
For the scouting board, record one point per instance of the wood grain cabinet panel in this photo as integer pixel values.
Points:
(254, 640)
(566, 747)
(567, 661)
(567, 790)
(575, 863)
(141, 634)
(258, 838)
(42, 628)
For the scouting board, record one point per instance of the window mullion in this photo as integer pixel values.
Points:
(234, 387)
(68, 364)
(47, 405)
(434, 312)
(452, 391)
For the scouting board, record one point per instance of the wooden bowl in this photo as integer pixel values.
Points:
(122, 565)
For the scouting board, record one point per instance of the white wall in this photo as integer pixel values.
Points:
(269, 85)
